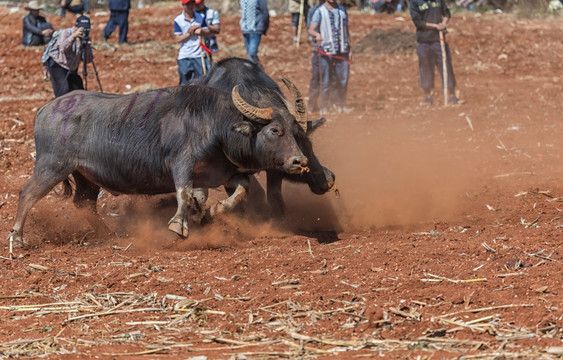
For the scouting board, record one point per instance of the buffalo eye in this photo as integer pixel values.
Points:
(275, 131)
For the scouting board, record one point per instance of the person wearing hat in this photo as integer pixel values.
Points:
(118, 16)
(65, 57)
(36, 29)
(188, 27)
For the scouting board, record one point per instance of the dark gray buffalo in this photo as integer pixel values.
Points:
(261, 90)
(162, 141)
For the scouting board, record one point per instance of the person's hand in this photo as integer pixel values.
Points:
(195, 30)
(441, 26)
(78, 33)
(318, 38)
(47, 32)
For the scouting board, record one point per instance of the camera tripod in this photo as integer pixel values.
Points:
(86, 54)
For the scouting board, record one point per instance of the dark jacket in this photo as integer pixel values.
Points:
(119, 5)
(428, 11)
(32, 28)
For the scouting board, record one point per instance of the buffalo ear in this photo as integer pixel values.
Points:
(244, 127)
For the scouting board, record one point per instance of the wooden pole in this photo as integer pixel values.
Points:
(201, 51)
(320, 78)
(444, 67)
(301, 11)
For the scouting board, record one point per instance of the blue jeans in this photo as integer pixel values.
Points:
(251, 43)
(190, 68)
(430, 56)
(335, 74)
(118, 18)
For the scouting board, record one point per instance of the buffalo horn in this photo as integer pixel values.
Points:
(262, 116)
(299, 109)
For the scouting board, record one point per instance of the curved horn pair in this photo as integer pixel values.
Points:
(298, 108)
(259, 115)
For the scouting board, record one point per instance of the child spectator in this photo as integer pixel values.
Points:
(430, 18)
(188, 26)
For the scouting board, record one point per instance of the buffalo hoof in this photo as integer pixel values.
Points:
(16, 240)
(177, 225)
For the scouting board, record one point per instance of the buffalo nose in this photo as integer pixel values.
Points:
(300, 161)
(298, 164)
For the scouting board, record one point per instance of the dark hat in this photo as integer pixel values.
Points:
(82, 22)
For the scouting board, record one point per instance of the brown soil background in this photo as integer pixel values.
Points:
(446, 240)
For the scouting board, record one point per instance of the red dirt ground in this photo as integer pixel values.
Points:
(446, 240)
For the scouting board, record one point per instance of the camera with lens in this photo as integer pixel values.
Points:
(84, 23)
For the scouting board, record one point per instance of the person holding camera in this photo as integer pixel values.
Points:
(68, 50)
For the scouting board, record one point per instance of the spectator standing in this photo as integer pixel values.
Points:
(295, 11)
(118, 16)
(254, 23)
(36, 29)
(78, 7)
(329, 27)
(315, 85)
(65, 57)
(430, 17)
(188, 26)
(211, 18)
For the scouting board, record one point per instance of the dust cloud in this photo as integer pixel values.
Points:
(387, 174)
(145, 219)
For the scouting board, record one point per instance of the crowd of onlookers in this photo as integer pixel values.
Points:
(196, 28)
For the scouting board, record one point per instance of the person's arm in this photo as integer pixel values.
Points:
(314, 26)
(193, 30)
(420, 24)
(264, 9)
(347, 29)
(65, 42)
(313, 31)
(216, 27)
(204, 29)
(441, 26)
(30, 27)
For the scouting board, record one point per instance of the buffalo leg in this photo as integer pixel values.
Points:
(179, 222)
(86, 197)
(39, 185)
(237, 188)
(274, 193)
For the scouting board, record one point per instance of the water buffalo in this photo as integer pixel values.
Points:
(160, 141)
(261, 90)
